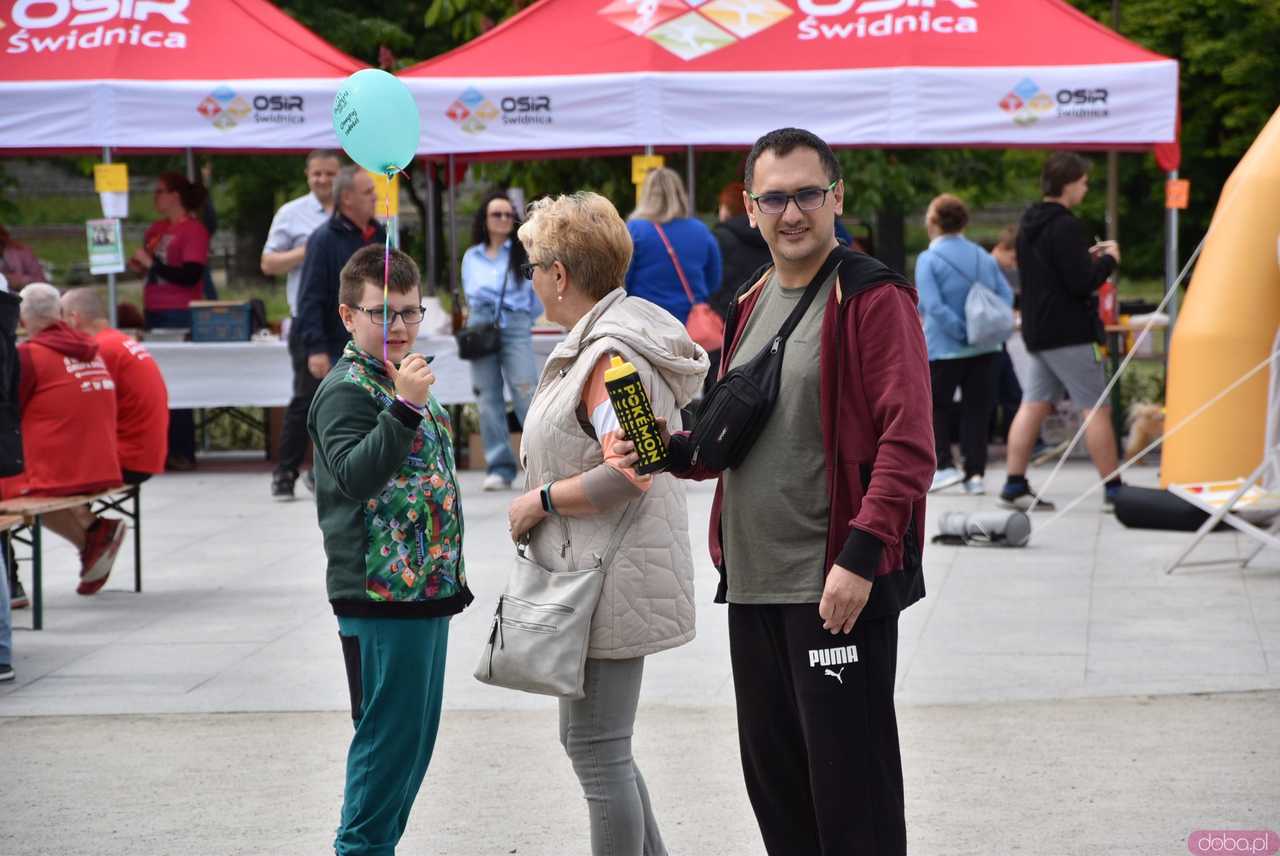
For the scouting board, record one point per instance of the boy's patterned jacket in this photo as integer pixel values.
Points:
(386, 496)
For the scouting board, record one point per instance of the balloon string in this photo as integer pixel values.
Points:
(386, 268)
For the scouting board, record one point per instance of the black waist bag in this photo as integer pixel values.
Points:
(736, 409)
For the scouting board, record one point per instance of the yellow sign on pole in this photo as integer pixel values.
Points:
(642, 165)
(111, 178)
(380, 185)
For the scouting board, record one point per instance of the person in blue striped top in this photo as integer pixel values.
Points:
(945, 273)
(494, 260)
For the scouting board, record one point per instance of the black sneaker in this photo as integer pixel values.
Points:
(282, 487)
(17, 595)
(6, 674)
(1020, 498)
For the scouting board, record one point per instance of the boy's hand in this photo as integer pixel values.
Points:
(413, 379)
(627, 449)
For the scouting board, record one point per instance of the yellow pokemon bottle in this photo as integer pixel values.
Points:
(635, 414)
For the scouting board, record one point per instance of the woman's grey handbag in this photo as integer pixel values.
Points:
(538, 639)
(988, 320)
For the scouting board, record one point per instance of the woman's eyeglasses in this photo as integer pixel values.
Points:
(808, 199)
(501, 215)
(411, 314)
(527, 269)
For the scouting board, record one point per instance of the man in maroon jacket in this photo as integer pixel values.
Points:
(817, 533)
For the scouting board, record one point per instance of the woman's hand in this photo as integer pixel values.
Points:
(141, 260)
(524, 514)
(627, 449)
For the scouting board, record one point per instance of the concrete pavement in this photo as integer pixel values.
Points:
(1045, 696)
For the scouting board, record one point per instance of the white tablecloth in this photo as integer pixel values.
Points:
(259, 374)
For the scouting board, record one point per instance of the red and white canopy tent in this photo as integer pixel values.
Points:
(568, 76)
(163, 75)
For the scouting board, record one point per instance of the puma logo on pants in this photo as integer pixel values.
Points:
(837, 656)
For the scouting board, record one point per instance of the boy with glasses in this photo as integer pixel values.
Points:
(387, 499)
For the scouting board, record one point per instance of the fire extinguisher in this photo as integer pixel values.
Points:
(1108, 310)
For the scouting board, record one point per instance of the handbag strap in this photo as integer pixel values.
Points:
(620, 531)
(502, 293)
(675, 260)
(977, 277)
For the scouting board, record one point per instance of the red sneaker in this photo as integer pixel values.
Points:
(102, 544)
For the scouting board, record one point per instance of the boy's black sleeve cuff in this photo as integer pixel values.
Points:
(861, 554)
(409, 417)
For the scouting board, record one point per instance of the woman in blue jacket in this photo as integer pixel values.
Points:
(664, 210)
(944, 274)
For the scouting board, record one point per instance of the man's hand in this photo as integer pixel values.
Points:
(627, 449)
(413, 379)
(843, 598)
(319, 365)
(524, 514)
(1106, 248)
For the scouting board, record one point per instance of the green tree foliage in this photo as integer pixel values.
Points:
(1229, 85)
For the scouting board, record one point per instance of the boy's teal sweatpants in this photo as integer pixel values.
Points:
(395, 671)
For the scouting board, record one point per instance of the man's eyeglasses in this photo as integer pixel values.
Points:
(527, 269)
(501, 215)
(410, 314)
(808, 199)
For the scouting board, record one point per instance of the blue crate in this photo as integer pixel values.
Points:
(220, 321)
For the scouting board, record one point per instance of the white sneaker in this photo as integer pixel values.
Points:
(973, 486)
(495, 481)
(946, 478)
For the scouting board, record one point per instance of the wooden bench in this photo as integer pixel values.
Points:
(27, 513)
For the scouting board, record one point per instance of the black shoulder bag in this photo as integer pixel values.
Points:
(483, 339)
(738, 406)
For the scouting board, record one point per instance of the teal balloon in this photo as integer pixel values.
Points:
(376, 120)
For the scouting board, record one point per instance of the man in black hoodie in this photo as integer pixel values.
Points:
(1061, 269)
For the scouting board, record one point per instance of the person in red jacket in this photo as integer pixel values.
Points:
(142, 399)
(67, 402)
(817, 533)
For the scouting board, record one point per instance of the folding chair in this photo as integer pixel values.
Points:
(1245, 504)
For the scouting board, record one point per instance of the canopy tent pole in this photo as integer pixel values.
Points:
(1171, 255)
(432, 251)
(191, 165)
(453, 234)
(1113, 160)
(111, 277)
(693, 199)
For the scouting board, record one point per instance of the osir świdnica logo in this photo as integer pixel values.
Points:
(224, 108)
(472, 111)
(697, 27)
(1026, 102)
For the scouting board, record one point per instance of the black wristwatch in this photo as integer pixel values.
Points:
(545, 495)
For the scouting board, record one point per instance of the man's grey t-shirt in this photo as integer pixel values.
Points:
(774, 516)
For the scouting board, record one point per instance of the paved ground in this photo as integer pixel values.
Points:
(1066, 698)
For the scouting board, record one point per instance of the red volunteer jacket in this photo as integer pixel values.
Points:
(67, 400)
(877, 430)
(142, 402)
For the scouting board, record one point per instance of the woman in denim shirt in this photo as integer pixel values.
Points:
(944, 274)
(493, 260)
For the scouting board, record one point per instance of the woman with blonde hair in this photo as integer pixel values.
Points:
(578, 250)
(672, 248)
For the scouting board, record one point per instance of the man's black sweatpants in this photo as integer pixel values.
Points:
(817, 731)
